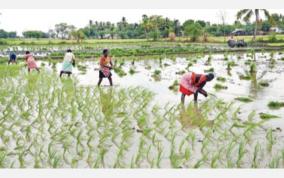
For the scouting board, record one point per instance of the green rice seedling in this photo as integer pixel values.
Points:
(200, 162)
(229, 153)
(174, 86)
(275, 104)
(270, 140)
(159, 156)
(230, 64)
(244, 99)
(245, 77)
(209, 70)
(282, 156)
(157, 75)
(189, 64)
(208, 61)
(218, 86)
(215, 159)
(252, 68)
(187, 154)
(275, 162)
(2, 158)
(132, 71)
(255, 161)
(241, 154)
(181, 72)
(221, 79)
(266, 116)
(119, 71)
(264, 83)
(226, 57)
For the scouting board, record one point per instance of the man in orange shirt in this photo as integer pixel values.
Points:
(105, 67)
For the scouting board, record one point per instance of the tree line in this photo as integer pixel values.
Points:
(155, 27)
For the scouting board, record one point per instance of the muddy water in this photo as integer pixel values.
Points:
(171, 68)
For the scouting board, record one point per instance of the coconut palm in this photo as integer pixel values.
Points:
(246, 14)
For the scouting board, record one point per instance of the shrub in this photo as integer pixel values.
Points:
(272, 38)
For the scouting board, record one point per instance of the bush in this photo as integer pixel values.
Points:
(2, 42)
(194, 31)
(272, 38)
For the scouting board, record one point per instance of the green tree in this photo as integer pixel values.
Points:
(62, 30)
(247, 14)
(78, 35)
(34, 34)
(193, 30)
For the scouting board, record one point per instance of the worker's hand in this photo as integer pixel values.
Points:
(205, 94)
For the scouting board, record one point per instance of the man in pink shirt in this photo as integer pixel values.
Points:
(192, 83)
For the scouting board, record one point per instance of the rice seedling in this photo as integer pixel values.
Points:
(255, 161)
(157, 75)
(264, 83)
(270, 140)
(275, 104)
(218, 86)
(221, 79)
(266, 116)
(132, 71)
(180, 72)
(241, 154)
(120, 72)
(275, 162)
(2, 159)
(174, 86)
(209, 70)
(244, 99)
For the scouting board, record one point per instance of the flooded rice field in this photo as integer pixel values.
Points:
(46, 121)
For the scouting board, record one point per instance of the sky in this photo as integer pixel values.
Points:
(44, 19)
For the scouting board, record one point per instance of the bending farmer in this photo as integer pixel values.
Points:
(192, 83)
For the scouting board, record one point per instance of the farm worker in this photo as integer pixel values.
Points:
(31, 63)
(192, 83)
(68, 63)
(105, 67)
(12, 58)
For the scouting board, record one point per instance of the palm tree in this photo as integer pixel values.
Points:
(246, 14)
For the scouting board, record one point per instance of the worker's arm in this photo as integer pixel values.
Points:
(201, 90)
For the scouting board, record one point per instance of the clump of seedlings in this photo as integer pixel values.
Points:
(189, 64)
(208, 61)
(275, 104)
(264, 83)
(132, 71)
(245, 77)
(120, 72)
(180, 72)
(82, 68)
(230, 64)
(209, 70)
(174, 86)
(218, 86)
(266, 116)
(244, 99)
(221, 79)
(157, 75)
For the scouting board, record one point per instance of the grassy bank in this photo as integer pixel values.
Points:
(211, 39)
